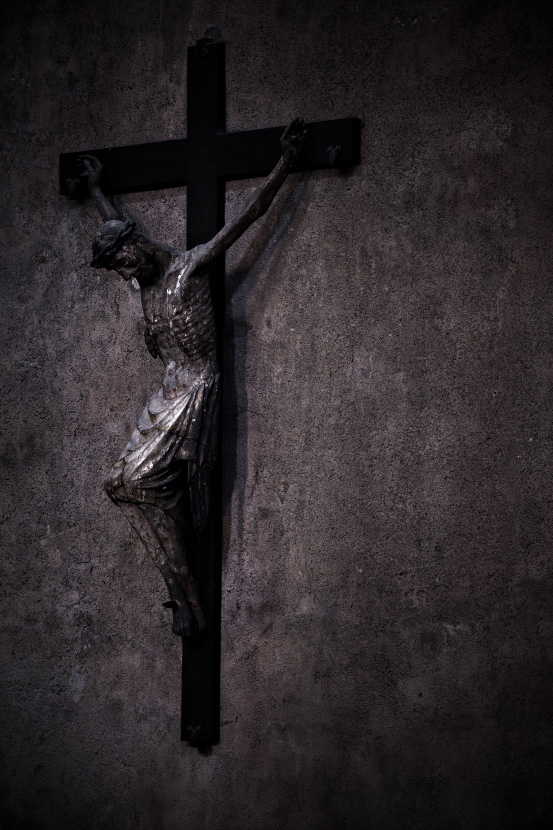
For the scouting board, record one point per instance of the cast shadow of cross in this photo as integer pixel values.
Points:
(244, 280)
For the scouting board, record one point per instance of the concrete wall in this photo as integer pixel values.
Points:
(388, 453)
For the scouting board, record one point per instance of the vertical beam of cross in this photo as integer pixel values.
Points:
(205, 119)
(205, 216)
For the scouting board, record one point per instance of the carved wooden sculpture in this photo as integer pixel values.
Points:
(163, 474)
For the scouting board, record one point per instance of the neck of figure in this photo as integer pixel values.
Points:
(158, 270)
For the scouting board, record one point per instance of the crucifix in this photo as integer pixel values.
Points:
(186, 407)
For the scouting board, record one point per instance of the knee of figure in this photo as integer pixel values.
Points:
(112, 485)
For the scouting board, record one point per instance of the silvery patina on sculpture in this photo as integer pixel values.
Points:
(171, 452)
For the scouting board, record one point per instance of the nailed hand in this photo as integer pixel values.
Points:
(93, 169)
(293, 139)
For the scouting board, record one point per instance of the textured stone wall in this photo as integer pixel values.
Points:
(387, 635)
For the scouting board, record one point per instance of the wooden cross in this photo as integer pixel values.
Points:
(204, 162)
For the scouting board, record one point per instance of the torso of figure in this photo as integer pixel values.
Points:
(179, 314)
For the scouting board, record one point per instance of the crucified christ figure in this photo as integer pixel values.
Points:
(171, 452)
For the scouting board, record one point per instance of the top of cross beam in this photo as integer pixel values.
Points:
(240, 155)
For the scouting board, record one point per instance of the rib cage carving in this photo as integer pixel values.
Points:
(185, 324)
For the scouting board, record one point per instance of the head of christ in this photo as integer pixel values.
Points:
(119, 247)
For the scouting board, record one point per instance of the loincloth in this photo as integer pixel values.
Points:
(172, 449)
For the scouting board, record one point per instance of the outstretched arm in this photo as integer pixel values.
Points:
(291, 143)
(94, 170)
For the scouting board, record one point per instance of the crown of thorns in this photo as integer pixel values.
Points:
(111, 247)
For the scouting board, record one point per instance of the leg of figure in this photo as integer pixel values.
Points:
(171, 538)
(182, 619)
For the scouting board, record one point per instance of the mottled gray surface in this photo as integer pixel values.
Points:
(387, 635)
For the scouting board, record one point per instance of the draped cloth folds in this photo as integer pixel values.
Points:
(172, 449)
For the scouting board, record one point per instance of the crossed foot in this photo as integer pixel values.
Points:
(188, 617)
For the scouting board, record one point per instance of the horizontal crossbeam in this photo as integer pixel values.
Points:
(241, 155)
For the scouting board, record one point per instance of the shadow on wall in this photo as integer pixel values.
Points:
(239, 286)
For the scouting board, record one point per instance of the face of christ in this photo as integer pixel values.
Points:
(131, 260)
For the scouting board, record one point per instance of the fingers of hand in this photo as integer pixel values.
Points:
(90, 162)
(300, 130)
(90, 157)
(294, 135)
